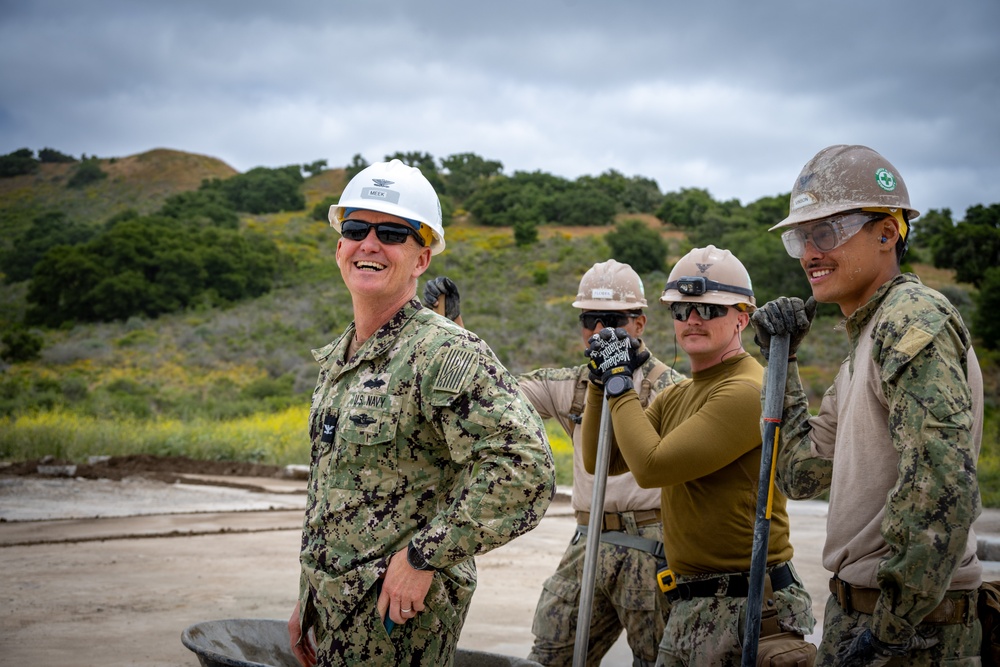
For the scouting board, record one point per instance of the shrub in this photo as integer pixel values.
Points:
(20, 344)
(18, 163)
(51, 155)
(88, 172)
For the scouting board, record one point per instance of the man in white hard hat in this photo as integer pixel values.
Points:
(897, 437)
(626, 595)
(424, 452)
(699, 442)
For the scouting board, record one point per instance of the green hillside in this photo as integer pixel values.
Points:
(234, 381)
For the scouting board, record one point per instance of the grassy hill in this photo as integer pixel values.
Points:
(140, 182)
(234, 382)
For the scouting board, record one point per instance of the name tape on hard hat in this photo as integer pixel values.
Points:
(391, 196)
(804, 199)
(602, 293)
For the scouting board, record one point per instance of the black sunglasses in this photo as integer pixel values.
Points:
(387, 232)
(706, 311)
(610, 319)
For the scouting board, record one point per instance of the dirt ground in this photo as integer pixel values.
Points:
(108, 566)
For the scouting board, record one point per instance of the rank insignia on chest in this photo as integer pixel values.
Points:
(329, 428)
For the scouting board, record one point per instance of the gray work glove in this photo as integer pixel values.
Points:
(784, 315)
(443, 286)
(862, 649)
(612, 352)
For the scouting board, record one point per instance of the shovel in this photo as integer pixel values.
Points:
(774, 399)
(594, 526)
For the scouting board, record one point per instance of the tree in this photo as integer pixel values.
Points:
(986, 320)
(357, 165)
(314, 168)
(20, 162)
(204, 207)
(631, 195)
(263, 190)
(427, 165)
(51, 155)
(582, 205)
(149, 266)
(632, 242)
(88, 172)
(970, 248)
(465, 172)
(47, 230)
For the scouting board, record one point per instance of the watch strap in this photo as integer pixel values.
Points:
(416, 559)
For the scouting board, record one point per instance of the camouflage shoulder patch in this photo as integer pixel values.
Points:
(456, 368)
(914, 340)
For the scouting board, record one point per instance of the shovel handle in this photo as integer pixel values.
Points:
(774, 399)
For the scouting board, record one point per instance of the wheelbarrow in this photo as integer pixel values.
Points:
(256, 642)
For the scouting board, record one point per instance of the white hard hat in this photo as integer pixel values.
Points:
(396, 189)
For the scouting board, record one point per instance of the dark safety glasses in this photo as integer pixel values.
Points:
(706, 311)
(828, 233)
(610, 319)
(387, 232)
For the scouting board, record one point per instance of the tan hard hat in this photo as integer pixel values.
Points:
(710, 275)
(846, 178)
(610, 285)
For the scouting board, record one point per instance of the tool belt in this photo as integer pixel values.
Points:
(729, 585)
(613, 520)
(958, 607)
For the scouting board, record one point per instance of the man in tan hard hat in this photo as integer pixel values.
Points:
(699, 444)
(897, 437)
(424, 452)
(626, 595)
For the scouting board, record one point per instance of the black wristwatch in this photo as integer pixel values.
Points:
(617, 385)
(416, 559)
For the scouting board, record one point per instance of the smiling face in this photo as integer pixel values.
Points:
(850, 274)
(381, 276)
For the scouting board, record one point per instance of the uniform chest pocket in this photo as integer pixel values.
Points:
(365, 451)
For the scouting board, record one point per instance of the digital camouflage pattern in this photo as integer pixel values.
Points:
(626, 595)
(920, 350)
(422, 436)
(958, 645)
(709, 630)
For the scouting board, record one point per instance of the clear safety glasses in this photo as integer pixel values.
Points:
(387, 232)
(828, 233)
(706, 311)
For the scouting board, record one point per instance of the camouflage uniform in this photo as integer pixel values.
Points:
(421, 436)
(896, 443)
(625, 591)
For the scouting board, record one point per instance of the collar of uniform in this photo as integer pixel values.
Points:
(331, 355)
(856, 322)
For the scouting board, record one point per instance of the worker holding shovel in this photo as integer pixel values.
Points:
(700, 443)
(897, 437)
(625, 594)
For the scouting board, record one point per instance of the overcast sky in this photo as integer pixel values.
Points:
(731, 96)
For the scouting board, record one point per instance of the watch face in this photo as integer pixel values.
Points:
(617, 385)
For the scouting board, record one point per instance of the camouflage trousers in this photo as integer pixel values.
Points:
(959, 644)
(428, 640)
(626, 595)
(708, 631)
